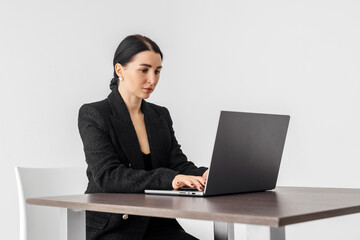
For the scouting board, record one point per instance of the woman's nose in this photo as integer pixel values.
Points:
(151, 78)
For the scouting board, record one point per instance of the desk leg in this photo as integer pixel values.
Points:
(255, 232)
(223, 231)
(72, 224)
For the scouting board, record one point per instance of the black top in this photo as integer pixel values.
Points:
(147, 161)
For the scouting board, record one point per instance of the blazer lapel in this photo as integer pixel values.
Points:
(125, 131)
(158, 135)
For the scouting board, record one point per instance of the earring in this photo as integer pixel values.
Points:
(120, 78)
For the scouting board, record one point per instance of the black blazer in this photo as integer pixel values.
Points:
(116, 165)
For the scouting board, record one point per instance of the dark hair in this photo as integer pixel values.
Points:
(130, 46)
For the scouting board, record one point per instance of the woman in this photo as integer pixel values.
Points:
(130, 146)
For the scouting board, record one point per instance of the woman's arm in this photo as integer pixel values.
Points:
(108, 173)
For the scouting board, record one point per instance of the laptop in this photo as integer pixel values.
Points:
(246, 155)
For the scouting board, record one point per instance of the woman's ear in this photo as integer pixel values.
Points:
(119, 69)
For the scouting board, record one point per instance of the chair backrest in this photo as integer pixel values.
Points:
(38, 222)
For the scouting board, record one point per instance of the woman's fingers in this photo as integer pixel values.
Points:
(177, 182)
(193, 183)
(201, 180)
(190, 181)
(187, 180)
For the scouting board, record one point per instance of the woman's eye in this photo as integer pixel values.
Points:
(145, 70)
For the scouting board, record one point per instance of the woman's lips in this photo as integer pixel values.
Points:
(148, 89)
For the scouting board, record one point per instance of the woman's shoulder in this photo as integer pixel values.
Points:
(100, 107)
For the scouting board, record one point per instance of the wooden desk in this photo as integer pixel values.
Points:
(274, 209)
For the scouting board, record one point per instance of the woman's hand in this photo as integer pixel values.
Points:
(188, 180)
(204, 176)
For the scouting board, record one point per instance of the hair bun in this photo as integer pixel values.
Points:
(113, 83)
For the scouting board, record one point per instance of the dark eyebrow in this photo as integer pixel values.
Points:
(148, 65)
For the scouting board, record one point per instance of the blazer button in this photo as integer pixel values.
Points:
(129, 165)
(125, 216)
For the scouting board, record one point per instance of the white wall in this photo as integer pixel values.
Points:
(294, 57)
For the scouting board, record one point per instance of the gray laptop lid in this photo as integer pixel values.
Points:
(247, 152)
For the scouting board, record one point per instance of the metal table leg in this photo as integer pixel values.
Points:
(223, 231)
(255, 232)
(72, 224)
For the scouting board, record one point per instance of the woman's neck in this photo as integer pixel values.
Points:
(132, 102)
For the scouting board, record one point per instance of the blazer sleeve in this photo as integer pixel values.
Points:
(178, 160)
(107, 171)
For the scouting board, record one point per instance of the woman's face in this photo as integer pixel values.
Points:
(141, 74)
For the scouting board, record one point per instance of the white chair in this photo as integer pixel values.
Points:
(38, 222)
